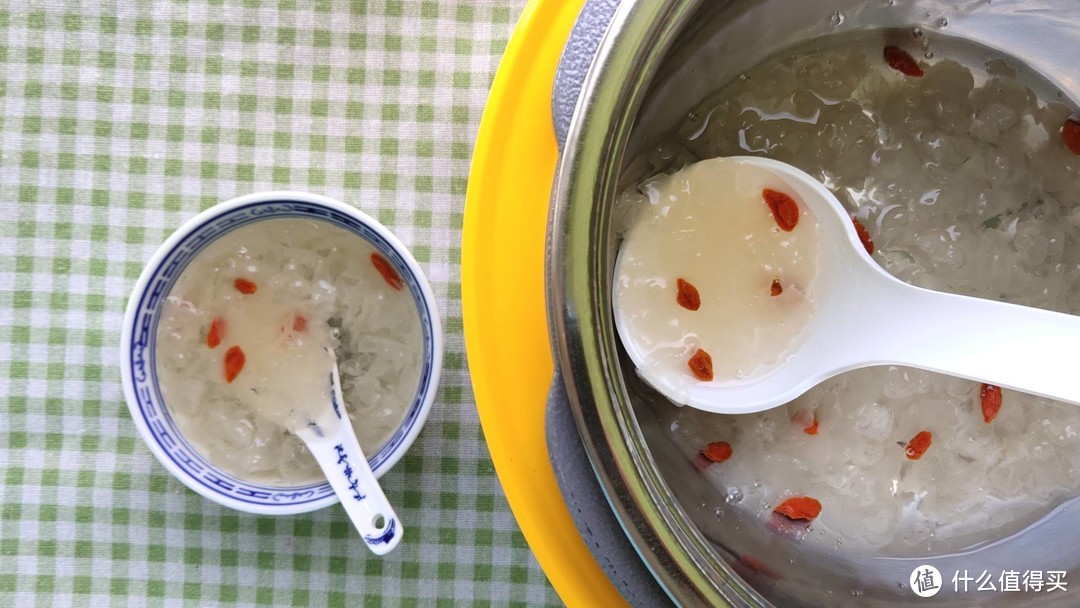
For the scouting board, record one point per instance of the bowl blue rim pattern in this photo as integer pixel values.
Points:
(142, 369)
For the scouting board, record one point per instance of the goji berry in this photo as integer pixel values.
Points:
(990, 396)
(864, 236)
(776, 288)
(687, 295)
(700, 365)
(901, 61)
(799, 508)
(234, 363)
(784, 209)
(216, 333)
(299, 323)
(1070, 132)
(392, 278)
(245, 286)
(918, 445)
(717, 451)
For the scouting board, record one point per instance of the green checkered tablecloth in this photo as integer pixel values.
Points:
(118, 121)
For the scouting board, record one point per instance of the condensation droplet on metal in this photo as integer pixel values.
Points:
(733, 495)
(942, 22)
(836, 19)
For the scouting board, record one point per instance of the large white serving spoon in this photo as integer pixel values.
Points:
(865, 316)
(331, 439)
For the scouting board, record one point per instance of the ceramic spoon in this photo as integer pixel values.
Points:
(865, 316)
(332, 442)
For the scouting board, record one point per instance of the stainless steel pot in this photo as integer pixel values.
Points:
(657, 61)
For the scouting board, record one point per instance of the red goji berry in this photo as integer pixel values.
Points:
(901, 61)
(717, 451)
(799, 508)
(918, 445)
(392, 278)
(216, 333)
(299, 323)
(776, 288)
(1070, 132)
(700, 365)
(687, 295)
(812, 429)
(245, 286)
(234, 363)
(990, 397)
(864, 236)
(784, 209)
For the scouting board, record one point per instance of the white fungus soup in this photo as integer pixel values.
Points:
(715, 276)
(252, 328)
(964, 177)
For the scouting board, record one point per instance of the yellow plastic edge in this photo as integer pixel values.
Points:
(503, 301)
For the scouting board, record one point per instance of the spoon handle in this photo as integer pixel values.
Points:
(346, 468)
(348, 472)
(1027, 349)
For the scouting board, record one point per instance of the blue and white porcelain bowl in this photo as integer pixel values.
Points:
(144, 311)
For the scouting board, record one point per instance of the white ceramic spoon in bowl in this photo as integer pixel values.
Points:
(332, 441)
(865, 316)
